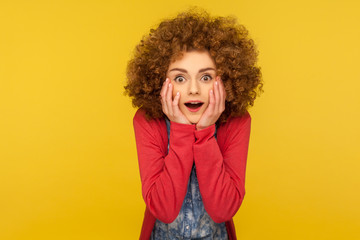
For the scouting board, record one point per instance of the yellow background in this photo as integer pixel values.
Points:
(68, 164)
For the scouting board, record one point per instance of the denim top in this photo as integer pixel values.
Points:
(193, 221)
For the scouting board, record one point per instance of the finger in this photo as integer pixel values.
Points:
(169, 99)
(222, 95)
(163, 96)
(163, 88)
(177, 112)
(175, 104)
(211, 107)
(217, 96)
(205, 119)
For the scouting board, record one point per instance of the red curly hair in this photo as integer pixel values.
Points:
(228, 43)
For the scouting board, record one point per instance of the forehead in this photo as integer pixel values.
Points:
(193, 60)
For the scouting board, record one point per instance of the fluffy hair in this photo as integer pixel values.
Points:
(228, 43)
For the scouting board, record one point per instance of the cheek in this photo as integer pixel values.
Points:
(207, 91)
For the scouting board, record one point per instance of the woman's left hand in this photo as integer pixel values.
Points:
(216, 105)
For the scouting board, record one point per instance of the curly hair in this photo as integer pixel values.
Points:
(228, 43)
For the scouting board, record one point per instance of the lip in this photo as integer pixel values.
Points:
(196, 101)
(194, 109)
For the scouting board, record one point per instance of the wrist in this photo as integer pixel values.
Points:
(205, 134)
(179, 120)
(200, 127)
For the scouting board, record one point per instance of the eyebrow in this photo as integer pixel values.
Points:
(184, 71)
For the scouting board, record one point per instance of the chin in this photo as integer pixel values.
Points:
(193, 119)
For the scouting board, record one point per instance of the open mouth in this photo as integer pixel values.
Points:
(194, 106)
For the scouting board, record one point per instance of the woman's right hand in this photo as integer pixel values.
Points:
(171, 107)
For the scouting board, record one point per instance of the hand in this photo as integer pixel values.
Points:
(216, 105)
(171, 107)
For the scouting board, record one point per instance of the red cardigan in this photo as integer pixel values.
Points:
(220, 168)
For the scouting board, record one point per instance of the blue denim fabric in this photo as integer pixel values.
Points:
(193, 222)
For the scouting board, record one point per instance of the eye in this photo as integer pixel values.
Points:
(206, 78)
(179, 79)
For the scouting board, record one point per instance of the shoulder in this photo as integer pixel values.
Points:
(140, 116)
(141, 121)
(234, 129)
(150, 131)
(234, 123)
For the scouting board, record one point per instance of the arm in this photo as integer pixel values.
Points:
(164, 177)
(221, 173)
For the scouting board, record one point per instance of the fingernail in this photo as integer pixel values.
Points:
(169, 84)
(216, 83)
(211, 91)
(177, 93)
(167, 79)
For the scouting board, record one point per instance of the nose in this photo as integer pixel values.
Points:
(194, 87)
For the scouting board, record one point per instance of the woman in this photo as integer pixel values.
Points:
(193, 79)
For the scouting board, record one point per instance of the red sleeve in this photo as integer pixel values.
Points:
(221, 173)
(164, 177)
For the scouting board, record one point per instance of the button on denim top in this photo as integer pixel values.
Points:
(193, 221)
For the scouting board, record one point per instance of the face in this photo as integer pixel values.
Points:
(193, 76)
